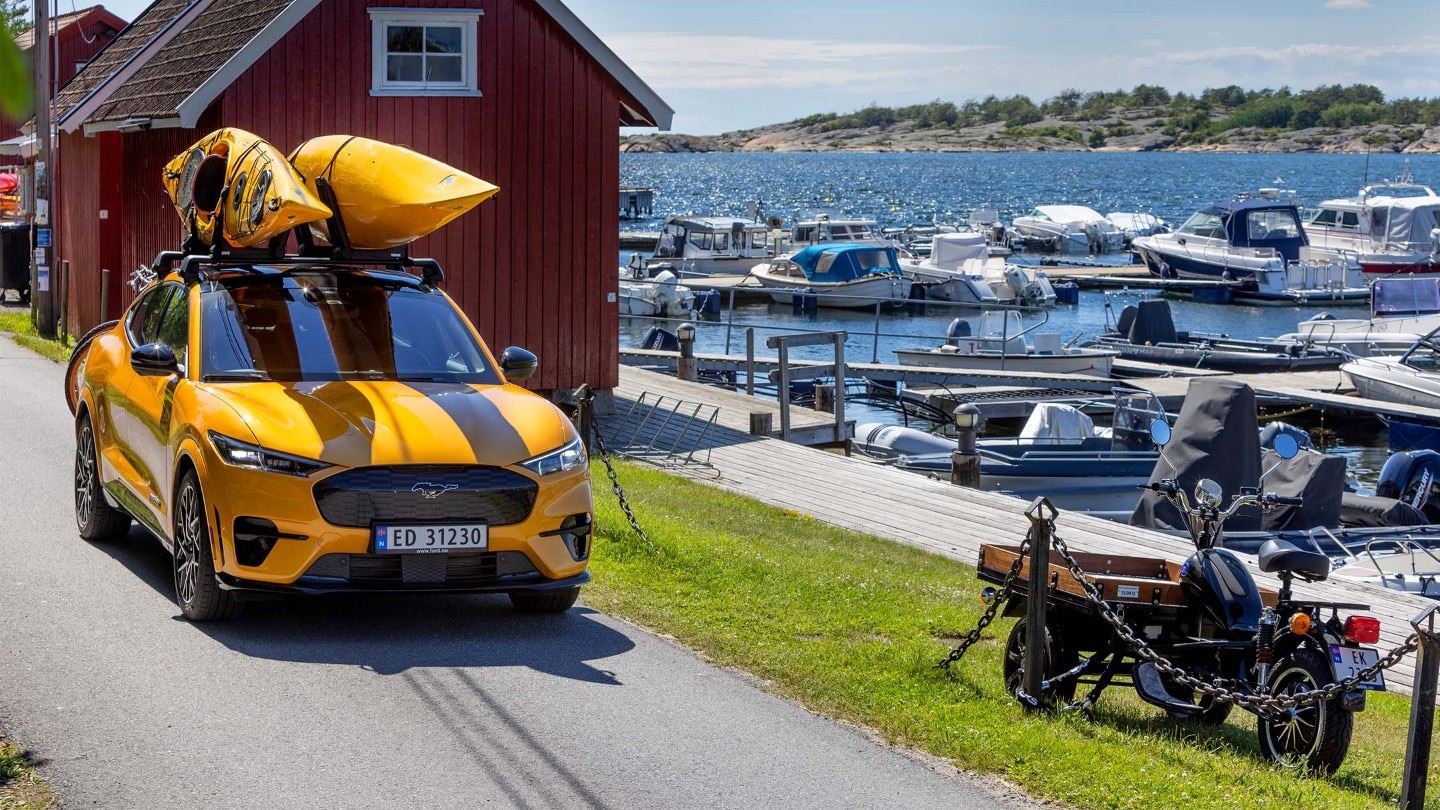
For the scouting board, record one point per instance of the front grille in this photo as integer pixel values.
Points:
(455, 570)
(369, 495)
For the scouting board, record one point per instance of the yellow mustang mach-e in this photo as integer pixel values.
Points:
(310, 428)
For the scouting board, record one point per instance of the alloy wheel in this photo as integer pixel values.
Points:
(85, 476)
(189, 528)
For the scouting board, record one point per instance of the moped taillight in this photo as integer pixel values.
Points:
(1362, 629)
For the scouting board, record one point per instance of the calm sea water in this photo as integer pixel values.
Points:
(902, 189)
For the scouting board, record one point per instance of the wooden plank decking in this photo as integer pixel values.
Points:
(933, 515)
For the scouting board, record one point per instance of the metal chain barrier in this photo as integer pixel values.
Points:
(1258, 702)
(990, 610)
(583, 397)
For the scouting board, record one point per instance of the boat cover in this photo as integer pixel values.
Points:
(834, 263)
(1373, 511)
(1405, 221)
(1054, 421)
(950, 251)
(1318, 479)
(1077, 215)
(1152, 324)
(1216, 436)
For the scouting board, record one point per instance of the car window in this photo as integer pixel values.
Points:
(174, 330)
(326, 326)
(147, 313)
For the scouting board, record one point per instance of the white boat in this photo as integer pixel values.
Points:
(955, 270)
(824, 228)
(660, 295)
(1315, 281)
(1402, 310)
(841, 275)
(1133, 225)
(699, 245)
(1070, 228)
(1388, 227)
(1413, 378)
(999, 344)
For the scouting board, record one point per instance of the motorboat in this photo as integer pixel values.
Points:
(1000, 344)
(823, 228)
(1146, 332)
(954, 270)
(704, 245)
(649, 296)
(1413, 378)
(1134, 225)
(1388, 227)
(1403, 308)
(842, 275)
(1070, 228)
(1059, 454)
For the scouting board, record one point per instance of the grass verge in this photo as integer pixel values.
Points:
(20, 787)
(23, 331)
(851, 627)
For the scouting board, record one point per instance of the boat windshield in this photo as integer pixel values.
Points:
(1209, 226)
(329, 326)
(1272, 224)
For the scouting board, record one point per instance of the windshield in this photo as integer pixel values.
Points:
(323, 326)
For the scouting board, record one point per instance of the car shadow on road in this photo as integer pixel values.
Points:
(391, 633)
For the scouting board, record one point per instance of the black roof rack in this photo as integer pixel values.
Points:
(195, 254)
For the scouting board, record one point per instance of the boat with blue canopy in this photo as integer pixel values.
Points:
(844, 275)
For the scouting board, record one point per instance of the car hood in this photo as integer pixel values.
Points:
(360, 423)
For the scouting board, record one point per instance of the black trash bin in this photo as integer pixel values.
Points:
(15, 259)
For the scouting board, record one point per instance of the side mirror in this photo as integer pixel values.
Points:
(1160, 432)
(1286, 446)
(154, 360)
(518, 364)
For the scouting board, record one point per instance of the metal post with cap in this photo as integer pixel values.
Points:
(686, 368)
(965, 459)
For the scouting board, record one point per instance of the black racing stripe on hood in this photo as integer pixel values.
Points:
(486, 428)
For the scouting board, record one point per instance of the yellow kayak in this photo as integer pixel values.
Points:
(388, 195)
(263, 197)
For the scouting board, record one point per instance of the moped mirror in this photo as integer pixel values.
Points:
(1286, 446)
(1160, 432)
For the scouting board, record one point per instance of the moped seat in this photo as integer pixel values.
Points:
(1278, 555)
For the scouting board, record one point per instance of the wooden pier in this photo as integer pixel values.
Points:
(922, 512)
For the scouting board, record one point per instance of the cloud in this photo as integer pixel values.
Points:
(692, 61)
(1348, 5)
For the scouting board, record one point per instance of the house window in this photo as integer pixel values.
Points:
(417, 52)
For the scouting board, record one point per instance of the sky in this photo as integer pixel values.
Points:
(746, 63)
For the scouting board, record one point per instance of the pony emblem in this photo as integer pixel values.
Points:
(433, 491)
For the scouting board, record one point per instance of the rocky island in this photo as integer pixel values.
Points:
(1326, 119)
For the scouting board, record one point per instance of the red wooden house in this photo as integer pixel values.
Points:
(519, 92)
(74, 38)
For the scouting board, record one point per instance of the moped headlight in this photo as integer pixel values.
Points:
(1208, 493)
(564, 458)
(253, 457)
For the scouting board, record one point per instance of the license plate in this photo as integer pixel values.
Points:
(1350, 660)
(431, 539)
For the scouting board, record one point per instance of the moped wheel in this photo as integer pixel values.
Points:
(1057, 660)
(1313, 738)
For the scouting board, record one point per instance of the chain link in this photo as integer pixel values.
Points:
(1258, 702)
(616, 488)
(990, 610)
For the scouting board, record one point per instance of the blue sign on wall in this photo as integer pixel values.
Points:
(42, 237)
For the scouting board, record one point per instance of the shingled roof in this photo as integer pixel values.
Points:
(180, 55)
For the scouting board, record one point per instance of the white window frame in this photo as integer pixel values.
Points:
(467, 20)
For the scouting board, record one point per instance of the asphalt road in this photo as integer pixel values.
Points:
(359, 702)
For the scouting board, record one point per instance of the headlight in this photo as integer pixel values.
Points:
(251, 457)
(568, 457)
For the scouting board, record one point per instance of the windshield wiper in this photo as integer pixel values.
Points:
(237, 376)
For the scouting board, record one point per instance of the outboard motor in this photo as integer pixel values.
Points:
(1413, 477)
(658, 339)
(959, 328)
(675, 301)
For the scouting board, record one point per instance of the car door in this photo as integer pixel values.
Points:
(145, 429)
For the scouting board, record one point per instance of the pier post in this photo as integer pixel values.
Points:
(686, 368)
(965, 460)
(1422, 713)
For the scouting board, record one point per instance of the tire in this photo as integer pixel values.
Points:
(1212, 712)
(1057, 660)
(1313, 738)
(96, 519)
(197, 589)
(557, 601)
(72, 386)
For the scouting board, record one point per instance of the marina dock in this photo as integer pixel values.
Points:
(909, 508)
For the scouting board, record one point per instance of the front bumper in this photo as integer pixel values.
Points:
(314, 586)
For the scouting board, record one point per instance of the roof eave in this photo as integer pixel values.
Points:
(655, 111)
(134, 123)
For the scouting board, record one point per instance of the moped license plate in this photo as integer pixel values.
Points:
(1349, 661)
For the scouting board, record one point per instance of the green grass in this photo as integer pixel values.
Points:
(20, 787)
(23, 332)
(850, 626)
